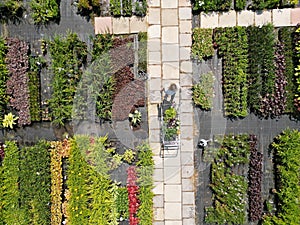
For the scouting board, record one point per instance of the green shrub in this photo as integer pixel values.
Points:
(286, 147)
(203, 92)
(297, 69)
(89, 8)
(11, 10)
(68, 55)
(265, 4)
(35, 183)
(44, 11)
(239, 4)
(122, 203)
(202, 47)
(3, 78)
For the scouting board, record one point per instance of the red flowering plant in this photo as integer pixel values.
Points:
(132, 190)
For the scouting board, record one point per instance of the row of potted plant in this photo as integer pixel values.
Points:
(208, 5)
(286, 148)
(229, 189)
(297, 69)
(45, 11)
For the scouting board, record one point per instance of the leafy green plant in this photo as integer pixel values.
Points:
(11, 10)
(3, 78)
(10, 210)
(264, 4)
(44, 11)
(68, 55)
(129, 156)
(141, 8)
(239, 4)
(9, 120)
(286, 147)
(202, 47)
(203, 92)
(142, 52)
(169, 114)
(115, 7)
(122, 203)
(89, 8)
(209, 5)
(135, 118)
(297, 71)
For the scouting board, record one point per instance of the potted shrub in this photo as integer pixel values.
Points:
(171, 124)
(135, 119)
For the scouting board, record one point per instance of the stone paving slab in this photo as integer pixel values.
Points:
(188, 184)
(184, 3)
(185, 13)
(172, 175)
(188, 198)
(158, 201)
(153, 45)
(262, 17)
(158, 188)
(172, 211)
(173, 223)
(188, 211)
(167, 4)
(185, 53)
(155, 71)
(154, 58)
(187, 145)
(154, 16)
(185, 40)
(154, 31)
(245, 18)
(187, 158)
(281, 17)
(185, 26)
(190, 221)
(187, 172)
(170, 70)
(159, 214)
(186, 67)
(154, 3)
(168, 16)
(172, 193)
(154, 97)
(227, 19)
(209, 20)
(170, 35)
(170, 53)
(295, 16)
(173, 162)
(158, 175)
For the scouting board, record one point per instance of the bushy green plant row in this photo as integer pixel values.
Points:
(229, 189)
(286, 148)
(44, 11)
(3, 79)
(219, 5)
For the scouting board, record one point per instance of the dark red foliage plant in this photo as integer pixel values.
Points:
(132, 190)
(255, 181)
(2, 152)
(17, 83)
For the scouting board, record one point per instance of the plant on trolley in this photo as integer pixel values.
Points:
(171, 124)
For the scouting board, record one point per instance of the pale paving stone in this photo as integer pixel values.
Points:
(262, 17)
(158, 175)
(186, 93)
(137, 24)
(157, 150)
(155, 97)
(188, 185)
(154, 16)
(281, 17)
(188, 198)
(103, 25)
(186, 80)
(185, 26)
(154, 31)
(120, 25)
(186, 67)
(170, 52)
(154, 58)
(295, 16)
(154, 123)
(184, 3)
(171, 70)
(173, 222)
(172, 175)
(169, 17)
(173, 211)
(169, 3)
(154, 3)
(154, 71)
(172, 193)
(188, 211)
(153, 45)
(185, 132)
(187, 145)
(185, 13)
(170, 35)
(186, 119)
(185, 53)
(158, 188)
(227, 19)
(187, 158)
(186, 105)
(158, 214)
(152, 111)
(245, 18)
(173, 161)
(185, 40)
(154, 135)
(158, 201)
(190, 221)
(158, 223)
(158, 162)
(209, 20)
(187, 171)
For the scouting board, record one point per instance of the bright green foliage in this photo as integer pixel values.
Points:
(233, 47)
(212, 5)
(101, 45)
(10, 211)
(3, 78)
(287, 161)
(202, 47)
(89, 8)
(115, 7)
(142, 37)
(129, 156)
(68, 56)
(285, 35)
(127, 7)
(203, 92)
(122, 203)
(239, 4)
(229, 189)
(35, 183)
(36, 65)
(44, 11)
(145, 181)
(261, 69)
(297, 70)
(141, 8)
(9, 120)
(265, 4)
(11, 10)
(91, 191)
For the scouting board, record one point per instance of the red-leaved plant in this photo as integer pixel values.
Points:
(132, 190)
(17, 83)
